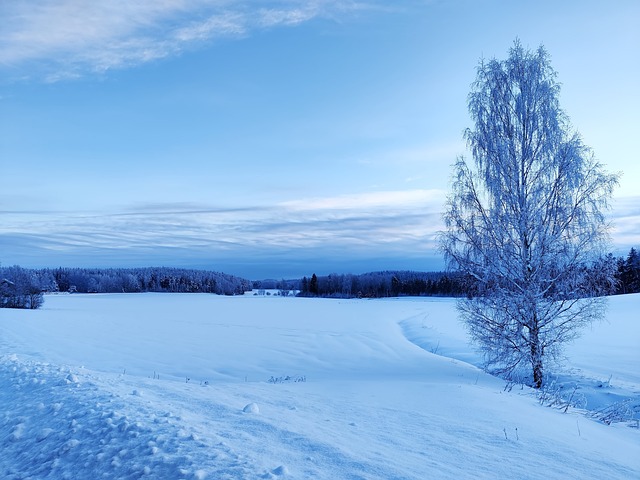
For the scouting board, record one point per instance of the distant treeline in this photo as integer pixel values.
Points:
(158, 279)
(444, 284)
(23, 288)
(371, 285)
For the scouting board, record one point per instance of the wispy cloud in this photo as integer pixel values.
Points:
(71, 37)
(374, 224)
(626, 222)
(392, 229)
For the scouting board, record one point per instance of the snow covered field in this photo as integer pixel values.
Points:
(171, 386)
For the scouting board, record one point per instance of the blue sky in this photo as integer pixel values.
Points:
(276, 138)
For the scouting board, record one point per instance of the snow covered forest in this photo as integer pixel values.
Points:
(373, 285)
(24, 288)
(445, 284)
(18, 284)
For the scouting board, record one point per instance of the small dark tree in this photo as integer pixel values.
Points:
(629, 273)
(525, 219)
(313, 285)
(396, 286)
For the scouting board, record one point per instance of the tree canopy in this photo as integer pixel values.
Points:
(525, 220)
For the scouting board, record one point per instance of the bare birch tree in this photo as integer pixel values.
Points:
(525, 220)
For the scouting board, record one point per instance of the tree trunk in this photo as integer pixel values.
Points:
(536, 357)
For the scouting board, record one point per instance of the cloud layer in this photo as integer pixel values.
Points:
(348, 233)
(344, 229)
(69, 38)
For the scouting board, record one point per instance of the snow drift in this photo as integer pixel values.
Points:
(177, 386)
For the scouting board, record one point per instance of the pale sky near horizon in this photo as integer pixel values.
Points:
(276, 138)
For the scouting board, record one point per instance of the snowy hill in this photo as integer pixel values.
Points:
(168, 386)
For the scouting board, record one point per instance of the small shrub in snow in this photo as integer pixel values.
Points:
(606, 384)
(615, 413)
(288, 379)
(555, 395)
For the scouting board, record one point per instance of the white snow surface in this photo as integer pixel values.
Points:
(177, 386)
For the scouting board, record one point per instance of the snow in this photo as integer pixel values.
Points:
(171, 386)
